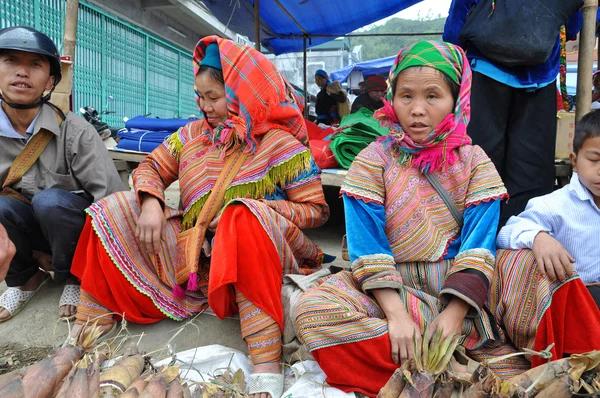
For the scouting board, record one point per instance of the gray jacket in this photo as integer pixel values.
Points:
(76, 160)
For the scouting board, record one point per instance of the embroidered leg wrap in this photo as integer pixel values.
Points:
(260, 331)
(90, 309)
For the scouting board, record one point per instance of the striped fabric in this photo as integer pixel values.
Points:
(419, 226)
(260, 331)
(90, 311)
(571, 217)
(337, 311)
(280, 165)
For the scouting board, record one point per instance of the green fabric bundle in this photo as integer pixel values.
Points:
(361, 130)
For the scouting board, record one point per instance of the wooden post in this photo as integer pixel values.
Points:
(585, 64)
(306, 101)
(257, 24)
(62, 94)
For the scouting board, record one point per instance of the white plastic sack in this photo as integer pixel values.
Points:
(303, 380)
(310, 383)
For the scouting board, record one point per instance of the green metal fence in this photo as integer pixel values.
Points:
(143, 73)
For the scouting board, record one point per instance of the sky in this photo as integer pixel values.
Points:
(425, 8)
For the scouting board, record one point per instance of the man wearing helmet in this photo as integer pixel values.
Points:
(52, 166)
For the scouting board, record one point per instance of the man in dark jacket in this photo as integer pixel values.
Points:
(513, 113)
(375, 88)
(326, 106)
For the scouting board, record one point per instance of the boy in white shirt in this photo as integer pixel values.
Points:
(563, 228)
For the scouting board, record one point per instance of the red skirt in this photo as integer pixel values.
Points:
(366, 366)
(243, 257)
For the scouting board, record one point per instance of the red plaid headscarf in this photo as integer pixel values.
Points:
(259, 98)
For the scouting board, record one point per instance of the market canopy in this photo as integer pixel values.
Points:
(285, 23)
(368, 68)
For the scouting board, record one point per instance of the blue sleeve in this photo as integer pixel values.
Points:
(574, 25)
(481, 225)
(365, 228)
(373, 264)
(457, 17)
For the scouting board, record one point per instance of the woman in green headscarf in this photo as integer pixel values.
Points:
(418, 260)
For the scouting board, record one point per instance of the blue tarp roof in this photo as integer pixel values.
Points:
(280, 32)
(368, 68)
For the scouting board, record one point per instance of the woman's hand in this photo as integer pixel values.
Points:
(150, 224)
(553, 260)
(401, 327)
(450, 320)
(402, 331)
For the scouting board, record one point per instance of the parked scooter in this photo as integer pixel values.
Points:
(93, 117)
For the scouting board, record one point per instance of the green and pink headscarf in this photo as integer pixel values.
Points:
(436, 151)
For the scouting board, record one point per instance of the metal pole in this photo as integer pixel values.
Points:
(306, 101)
(585, 64)
(257, 24)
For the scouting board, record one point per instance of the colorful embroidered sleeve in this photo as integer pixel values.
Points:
(473, 266)
(160, 169)
(305, 205)
(363, 191)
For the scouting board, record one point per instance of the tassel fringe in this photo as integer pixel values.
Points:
(178, 292)
(279, 175)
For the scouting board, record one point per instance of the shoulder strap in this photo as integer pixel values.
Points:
(215, 199)
(27, 158)
(435, 182)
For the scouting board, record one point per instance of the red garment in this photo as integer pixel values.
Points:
(97, 272)
(244, 257)
(572, 323)
(317, 133)
(559, 101)
(367, 365)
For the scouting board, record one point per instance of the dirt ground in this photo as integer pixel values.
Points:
(16, 356)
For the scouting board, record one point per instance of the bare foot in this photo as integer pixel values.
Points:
(269, 367)
(31, 285)
(67, 311)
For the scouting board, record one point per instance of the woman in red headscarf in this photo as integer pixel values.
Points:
(131, 257)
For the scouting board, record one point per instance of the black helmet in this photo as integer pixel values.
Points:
(24, 38)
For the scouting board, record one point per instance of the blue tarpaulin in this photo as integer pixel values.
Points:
(368, 68)
(284, 22)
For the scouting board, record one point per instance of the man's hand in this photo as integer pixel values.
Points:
(553, 260)
(7, 252)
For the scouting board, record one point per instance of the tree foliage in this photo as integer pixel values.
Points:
(375, 47)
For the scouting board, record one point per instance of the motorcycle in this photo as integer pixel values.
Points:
(95, 119)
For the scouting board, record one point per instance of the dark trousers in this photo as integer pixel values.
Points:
(517, 130)
(51, 224)
(595, 292)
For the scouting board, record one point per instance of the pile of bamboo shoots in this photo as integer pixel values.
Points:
(81, 370)
(428, 374)
(73, 373)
